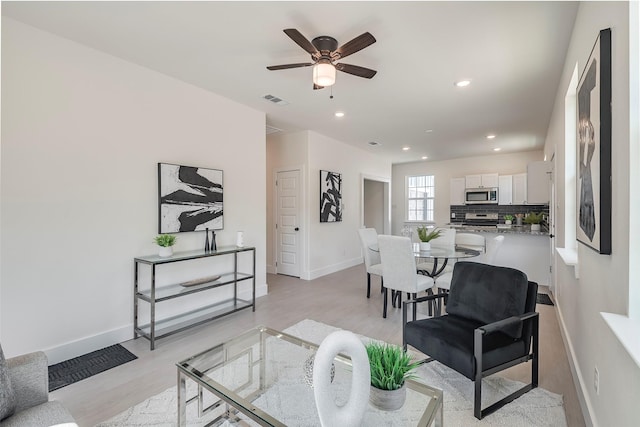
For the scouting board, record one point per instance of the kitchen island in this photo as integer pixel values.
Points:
(522, 249)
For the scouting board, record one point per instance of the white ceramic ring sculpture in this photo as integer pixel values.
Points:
(351, 413)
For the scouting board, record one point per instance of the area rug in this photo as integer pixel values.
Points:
(544, 299)
(81, 367)
(538, 407)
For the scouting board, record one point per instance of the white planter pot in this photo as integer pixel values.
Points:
(535, 227)
(507, 221)
(425, 246)
(165, 251)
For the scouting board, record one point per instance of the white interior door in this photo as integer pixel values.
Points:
(288, 223)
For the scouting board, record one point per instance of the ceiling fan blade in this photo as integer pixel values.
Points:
(285, 66)
(300, 40)
(367, 73)
(355, 45)
(316, 87)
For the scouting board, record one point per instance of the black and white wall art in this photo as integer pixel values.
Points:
(330, 196)
(593, 183)
(190, 198)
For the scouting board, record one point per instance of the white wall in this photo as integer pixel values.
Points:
(504, 164)
(81, 138)
(604, 279)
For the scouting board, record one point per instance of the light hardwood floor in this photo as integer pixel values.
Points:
(338, 299)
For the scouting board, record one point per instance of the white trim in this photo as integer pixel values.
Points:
(579, 380)
(85, 345)
(626, 330)
(333, 268)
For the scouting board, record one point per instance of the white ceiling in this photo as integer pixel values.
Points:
(512, 51)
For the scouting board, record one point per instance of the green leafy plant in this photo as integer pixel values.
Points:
(165, 240)
(508, 217)
(534, 218)
(390, 365)
(425, 235)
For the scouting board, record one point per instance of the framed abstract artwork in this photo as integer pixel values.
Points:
(593, 183)
(190, 198)
(330, 196)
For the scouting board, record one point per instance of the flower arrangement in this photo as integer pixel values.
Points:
(426, 236)
(165, 240)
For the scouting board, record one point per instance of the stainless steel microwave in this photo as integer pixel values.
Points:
(478, 196)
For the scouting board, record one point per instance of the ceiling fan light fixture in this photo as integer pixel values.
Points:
(324, 73)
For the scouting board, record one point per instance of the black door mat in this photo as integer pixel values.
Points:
(81, 367)
(544, 299)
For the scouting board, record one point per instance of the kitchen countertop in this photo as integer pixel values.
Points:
(522, 229)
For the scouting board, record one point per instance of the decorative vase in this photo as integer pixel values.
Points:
(240, 239)
(214, 245)
(207, 248)
(535, 227)
(425, 246)
(507, 222)
(308, 370)
(165, 251)
(388, 400)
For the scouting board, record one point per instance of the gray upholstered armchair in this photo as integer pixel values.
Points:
(24, 393)
(491, 324)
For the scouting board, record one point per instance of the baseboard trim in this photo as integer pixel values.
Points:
(310, 275)
(95, 342)
(581, 391)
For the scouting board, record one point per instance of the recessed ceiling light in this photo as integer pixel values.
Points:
(497, 149)
(463, 83)
(339, 114)
(424, 157)
(406, 148)
(429, 130)
(491, 136)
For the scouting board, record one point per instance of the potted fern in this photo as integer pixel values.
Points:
(390, 367)
(534, 219)
(508, 219)
(165, 243)
(427, 236)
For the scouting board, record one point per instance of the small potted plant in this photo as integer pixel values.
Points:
(165, 243)
(534, 219)
(427, 236)
(390, 367)
(508, 219)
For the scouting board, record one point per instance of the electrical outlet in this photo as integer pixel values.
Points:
(596, 380)
(453, 215)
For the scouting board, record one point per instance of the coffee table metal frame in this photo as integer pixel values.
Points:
(220, 355)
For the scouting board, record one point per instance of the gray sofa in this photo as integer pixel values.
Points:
(24, 393)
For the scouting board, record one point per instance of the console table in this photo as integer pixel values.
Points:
(156, 329)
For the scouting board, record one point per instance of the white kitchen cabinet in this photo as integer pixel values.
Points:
(481, 180)
(538, 183)
(519, 189)
(505, 190)
(456, 193)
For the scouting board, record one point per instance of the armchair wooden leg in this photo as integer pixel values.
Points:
(368, 285)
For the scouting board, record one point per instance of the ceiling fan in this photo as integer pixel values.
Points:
(325, 52)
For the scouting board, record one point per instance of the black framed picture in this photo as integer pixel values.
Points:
(330, 196)
(190, 198)
(593, 183)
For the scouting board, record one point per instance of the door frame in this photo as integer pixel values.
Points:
(302, 247)
(387, 200)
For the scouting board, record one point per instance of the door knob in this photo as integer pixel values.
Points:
(296, 229)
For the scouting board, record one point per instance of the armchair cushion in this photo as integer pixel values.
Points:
(449, 339)
(7, 396)
(30, 379)
(502, 290)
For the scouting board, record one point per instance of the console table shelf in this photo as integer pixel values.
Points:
(156, 329)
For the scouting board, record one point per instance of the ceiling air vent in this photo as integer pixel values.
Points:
(271, 129)
(374, 144)
(275, 100)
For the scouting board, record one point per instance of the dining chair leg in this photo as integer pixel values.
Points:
(381, 284)
(384, 304)
(368, 285)
(415, 308)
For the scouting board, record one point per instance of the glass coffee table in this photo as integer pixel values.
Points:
(263, 377)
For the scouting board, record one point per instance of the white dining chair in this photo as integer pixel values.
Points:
(443, 282)
(368, 239)
(399, 269)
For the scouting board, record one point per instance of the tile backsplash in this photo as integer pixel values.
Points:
(501, 210)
